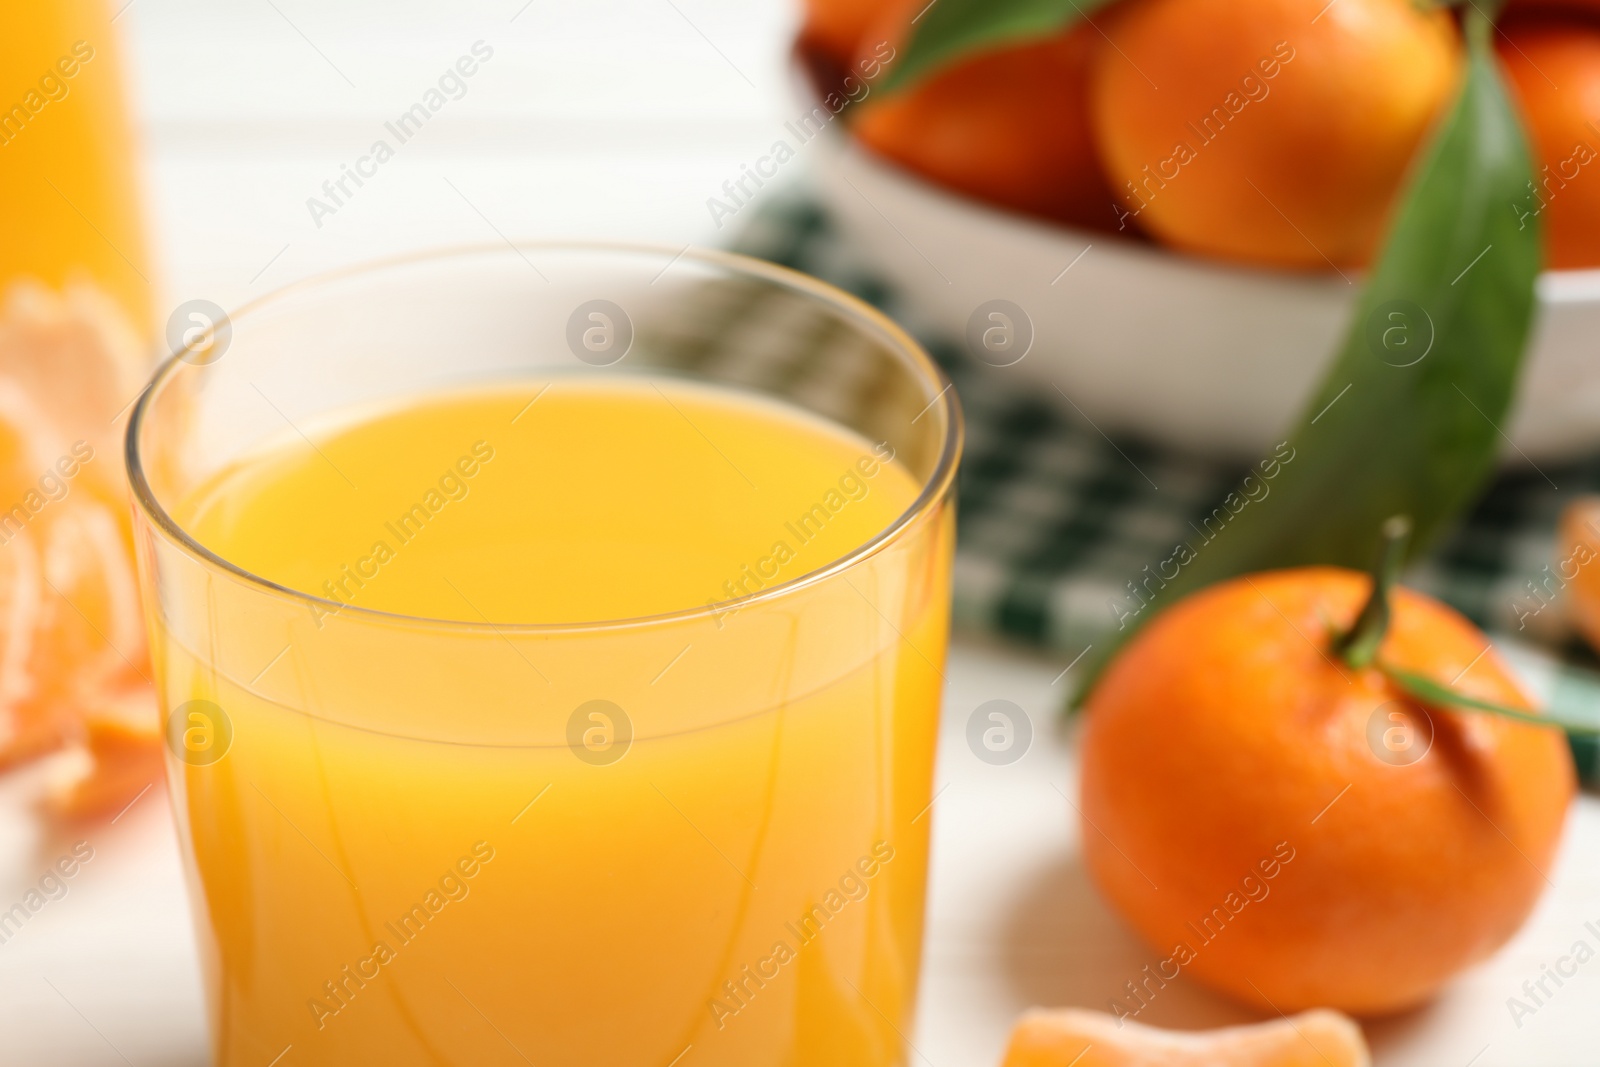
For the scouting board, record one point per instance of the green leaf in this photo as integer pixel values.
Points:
(948, 29)
(1453, 291)
(1577, 719)
(1407, 418)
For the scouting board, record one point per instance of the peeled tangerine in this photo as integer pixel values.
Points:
(72, 649)
(1071, 1037)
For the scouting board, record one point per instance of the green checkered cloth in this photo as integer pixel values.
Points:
(1056, 517)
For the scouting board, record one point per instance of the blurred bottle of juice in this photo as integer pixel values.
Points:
(69, 204)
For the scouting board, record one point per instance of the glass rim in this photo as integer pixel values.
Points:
(933, 488)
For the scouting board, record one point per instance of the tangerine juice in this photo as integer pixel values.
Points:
(68, 198)
(462, 817)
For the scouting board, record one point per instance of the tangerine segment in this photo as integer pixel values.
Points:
(1296, 833)
(1009, 126)
(26, 730)
(122, 741)
(1072, 1036)
(92, 618)
(76, 357)
(1554, 70)
(1275, 132)
(30, 443)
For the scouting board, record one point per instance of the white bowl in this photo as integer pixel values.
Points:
(1195, 354)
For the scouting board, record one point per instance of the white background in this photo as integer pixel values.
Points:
(613, 119)
(608, 119)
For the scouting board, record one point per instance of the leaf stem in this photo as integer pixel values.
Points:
(1431, 692)
(1359, 646)
(1478, 19)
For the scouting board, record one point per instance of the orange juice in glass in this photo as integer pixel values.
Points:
(551, 641)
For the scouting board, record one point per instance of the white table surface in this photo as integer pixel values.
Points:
(610, 119)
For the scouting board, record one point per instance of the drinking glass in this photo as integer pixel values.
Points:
(696, 838)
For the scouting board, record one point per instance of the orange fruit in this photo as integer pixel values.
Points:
(836, 27)
(1577, 567)
(1269, 131)
(1297, 833)
(1569, 7)
(1554, 70)
(1009, 126)
(1072, 1037)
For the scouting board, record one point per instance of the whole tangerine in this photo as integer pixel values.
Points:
(1580, 8)
(1009, 126)
(1554, 70)
(1577, 564)
(1275, 132)
(1299, 833)
(836, 27)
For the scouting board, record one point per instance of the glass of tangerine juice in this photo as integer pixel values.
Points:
(550, 640)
